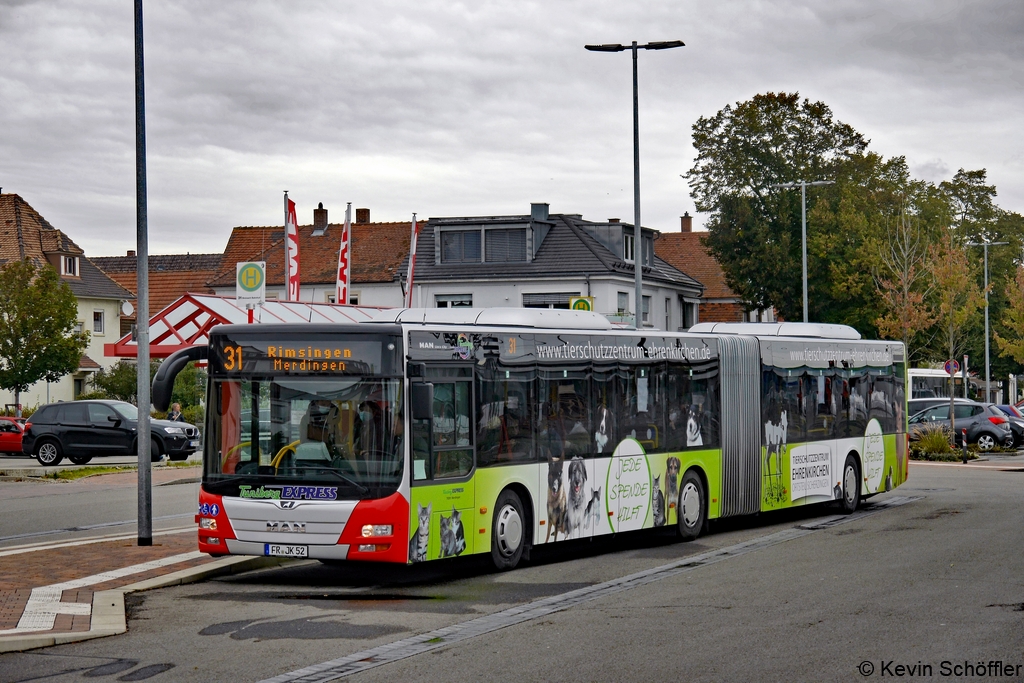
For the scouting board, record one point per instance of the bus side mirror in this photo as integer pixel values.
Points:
(422, 400)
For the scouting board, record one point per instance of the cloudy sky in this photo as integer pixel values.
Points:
(466, 108)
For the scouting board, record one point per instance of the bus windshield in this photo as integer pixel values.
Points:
(268, 433)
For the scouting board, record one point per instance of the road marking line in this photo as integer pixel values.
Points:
(100, 539)
(44, 602)
(425, 642)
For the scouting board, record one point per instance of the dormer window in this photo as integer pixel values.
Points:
(69, 265)
(460, 246)
(627, 248)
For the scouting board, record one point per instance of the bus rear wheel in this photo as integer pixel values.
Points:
(691, 510)
(851, 486)
(507, 531)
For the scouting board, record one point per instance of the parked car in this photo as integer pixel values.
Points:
(10, 435)
(81, 430)
(1016, 423)
(916, 405)
(986, 425)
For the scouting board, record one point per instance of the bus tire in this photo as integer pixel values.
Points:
(691, 510)
(508, 532)
(851, 486)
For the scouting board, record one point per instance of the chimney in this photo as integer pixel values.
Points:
(319, 219)
(686, 222)
(131, 252)
(538, 212)
(362, 215)
(613, 220)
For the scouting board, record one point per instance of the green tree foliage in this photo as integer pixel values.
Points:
(120, 382)
(189, 387)
(38, 315)
(1011, 342)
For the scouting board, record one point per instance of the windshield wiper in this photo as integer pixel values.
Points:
(362, 489)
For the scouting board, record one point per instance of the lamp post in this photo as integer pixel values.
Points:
(638, 243)
(988, 376)
(803, 185)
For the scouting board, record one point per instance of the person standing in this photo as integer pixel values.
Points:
(175, 414)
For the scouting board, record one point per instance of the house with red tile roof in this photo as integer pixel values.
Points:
(170, 276)
(25, 234)
(686, 251)
(377, 253)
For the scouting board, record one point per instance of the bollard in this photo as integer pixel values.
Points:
(964, 432)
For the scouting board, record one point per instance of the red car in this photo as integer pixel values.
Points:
(11, 430)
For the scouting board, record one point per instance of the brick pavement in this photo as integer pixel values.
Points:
(35, 574)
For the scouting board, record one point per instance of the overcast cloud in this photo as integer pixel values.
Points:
(466, 108)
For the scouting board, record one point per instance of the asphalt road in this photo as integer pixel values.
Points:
(37, 511)
(933, 580)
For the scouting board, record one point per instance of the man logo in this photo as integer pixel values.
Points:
(287, 504)
(287, 527)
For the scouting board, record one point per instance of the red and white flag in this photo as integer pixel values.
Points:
(291, 243)
(412, 261)
(344, 260)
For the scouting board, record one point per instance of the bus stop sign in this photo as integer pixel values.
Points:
(952, 367)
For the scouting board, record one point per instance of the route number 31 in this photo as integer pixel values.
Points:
(232, 357)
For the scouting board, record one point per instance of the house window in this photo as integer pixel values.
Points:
(97, 322)
(549, 300)
(627, 248)
(689, 314)
(79, 387)
(647, 310)
(668, 314)
(506, 245)
(453, 300)
(460, 246)
(623, 305)
(69, 265)
(331, 298)
(79, 327)
(353, 298)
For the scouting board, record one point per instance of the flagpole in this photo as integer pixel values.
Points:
(287, 280)
(344, 259)
(412, 261)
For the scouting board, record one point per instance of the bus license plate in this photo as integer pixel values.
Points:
(278, 550)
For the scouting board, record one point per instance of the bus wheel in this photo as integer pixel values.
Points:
(691, 508)
(507, 537)
(851, 486)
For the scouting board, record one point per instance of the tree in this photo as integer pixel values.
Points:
(957, 297)
(1011, 343)
(902, 280)
(120, 382)
(38, 315)
(754, 231)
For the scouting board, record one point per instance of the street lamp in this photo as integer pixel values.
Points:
(638, 243)
(803, 185)
(988, 376)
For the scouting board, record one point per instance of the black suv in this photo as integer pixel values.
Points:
(83, 429)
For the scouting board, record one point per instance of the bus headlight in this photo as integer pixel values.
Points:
(208, 524)
(376, 530)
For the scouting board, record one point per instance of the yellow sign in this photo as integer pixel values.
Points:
(581, 303)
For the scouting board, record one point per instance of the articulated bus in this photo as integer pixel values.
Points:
(436, 433)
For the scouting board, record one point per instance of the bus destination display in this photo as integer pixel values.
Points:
(324, 358)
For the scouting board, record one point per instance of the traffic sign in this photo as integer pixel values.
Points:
(581, 303)
(251, 283)
(952, 367)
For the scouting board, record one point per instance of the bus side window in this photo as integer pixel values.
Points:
(451, 436)
(505, 404)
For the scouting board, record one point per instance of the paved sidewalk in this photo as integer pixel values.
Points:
(74, 590)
